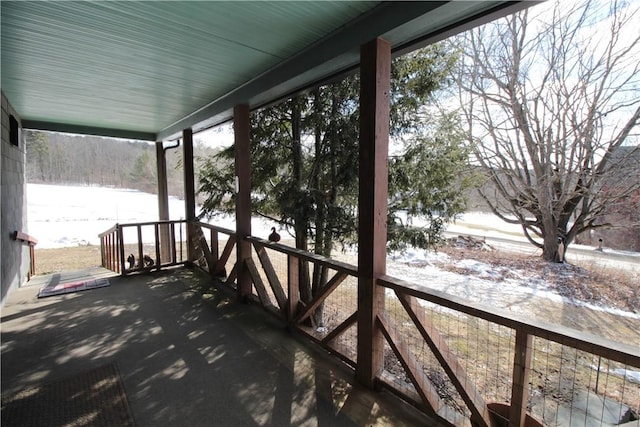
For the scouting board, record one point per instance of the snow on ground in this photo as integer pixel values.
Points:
(490, 226)
(488, 285)
(62, 216)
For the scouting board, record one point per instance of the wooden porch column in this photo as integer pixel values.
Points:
(375, 72)
(163, 201)
(189, 189)
(243, 197)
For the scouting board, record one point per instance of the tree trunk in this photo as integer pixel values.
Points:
(550, 248)
(300, 222)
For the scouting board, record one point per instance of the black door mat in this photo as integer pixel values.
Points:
(93, 398)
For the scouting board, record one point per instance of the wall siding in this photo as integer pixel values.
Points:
(14, 255)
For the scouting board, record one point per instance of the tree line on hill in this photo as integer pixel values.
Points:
(58, 158)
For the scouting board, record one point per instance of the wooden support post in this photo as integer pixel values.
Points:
(163, 201)
(243, 197)
(375, 72)
(213, 238)
(189, 190)
(520, 383)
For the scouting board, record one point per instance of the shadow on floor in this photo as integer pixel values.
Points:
(187, 355)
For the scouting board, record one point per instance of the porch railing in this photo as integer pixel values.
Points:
(143, 246)
(467, 363)
(32, 242)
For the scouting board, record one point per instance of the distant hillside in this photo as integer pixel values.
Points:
(56, 158)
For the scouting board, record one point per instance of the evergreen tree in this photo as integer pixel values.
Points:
(304, 155)
(143, 172)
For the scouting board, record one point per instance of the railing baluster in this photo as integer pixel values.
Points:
(121, 245)
(158, 257)
(181, 254)
(173, 242)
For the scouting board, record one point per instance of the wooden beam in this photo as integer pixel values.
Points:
(448, 360)
(258, 284)
(320, 297)
(272, 276)
(226, 252)
(428, 393)
(341, 328)
(158, 257)
(24, 237)
(213, 238)
(243, 196)
(201, 241)
(375, 72)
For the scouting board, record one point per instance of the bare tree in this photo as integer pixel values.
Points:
(551, 94)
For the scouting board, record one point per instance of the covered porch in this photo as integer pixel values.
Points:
(186, 354)
(189, 352)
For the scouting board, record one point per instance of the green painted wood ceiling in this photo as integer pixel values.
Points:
(148, 69)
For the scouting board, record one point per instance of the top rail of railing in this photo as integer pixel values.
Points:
(139, 224)
(343, 267)
(216, 228)
(580, 340)
(24, 237)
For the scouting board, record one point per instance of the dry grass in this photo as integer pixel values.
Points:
(65, 259)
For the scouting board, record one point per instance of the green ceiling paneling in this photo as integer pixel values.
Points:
(157, 67)
(144, 65)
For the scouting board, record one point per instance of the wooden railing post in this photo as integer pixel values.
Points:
(520, 383)
(375, 72)
(159, 259)
(31, 241)
(140, 248)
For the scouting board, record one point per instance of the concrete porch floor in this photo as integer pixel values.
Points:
(186, 356)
